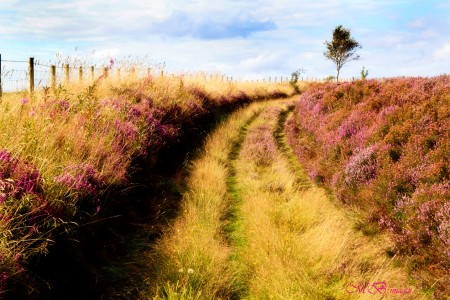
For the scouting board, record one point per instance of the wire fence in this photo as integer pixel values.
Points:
(14, 75)
(21, 75)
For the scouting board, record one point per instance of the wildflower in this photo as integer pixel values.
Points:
(81, 178)
(17, 177)
(24, 101)
(181, 270)
(3, 279)
(64, 105)
(134, 112)
(190, 271)
(127, 129)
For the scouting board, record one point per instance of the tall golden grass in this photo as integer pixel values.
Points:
(64, 147)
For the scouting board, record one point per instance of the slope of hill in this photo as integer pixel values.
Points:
(64, 150)
(383, 147)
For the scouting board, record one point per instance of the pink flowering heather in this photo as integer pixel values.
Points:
(443, 229)
(23, 211)
(18, 177)
(135, 112)
(361, 167)
(63, 105)
(127, 130)
(385, 147)
(81, 178)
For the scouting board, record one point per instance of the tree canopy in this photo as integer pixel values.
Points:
(342, 48)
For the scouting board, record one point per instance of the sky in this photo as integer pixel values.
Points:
(244, 39)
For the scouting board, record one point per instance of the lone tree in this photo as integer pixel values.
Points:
(342, 48)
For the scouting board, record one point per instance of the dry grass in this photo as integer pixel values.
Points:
(195, 242)
(82, 138)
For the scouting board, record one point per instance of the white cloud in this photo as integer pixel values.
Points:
(106, 53)
(443, 53)
(263, 62)
(418, 23)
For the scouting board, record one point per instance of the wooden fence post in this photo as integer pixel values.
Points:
(66, 74)
(53, 76)
(31, 73)
(80, 74)
(92, 73)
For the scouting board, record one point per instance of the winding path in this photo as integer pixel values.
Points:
(253, 226)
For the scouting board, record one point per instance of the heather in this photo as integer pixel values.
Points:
(383, 147)
(64, 149)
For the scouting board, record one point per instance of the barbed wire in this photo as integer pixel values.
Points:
(37, 63)
(14, 61)
(44, 65)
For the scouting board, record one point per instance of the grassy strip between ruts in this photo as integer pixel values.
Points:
(193, 260)
(283, 147)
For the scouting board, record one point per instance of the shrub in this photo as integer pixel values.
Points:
(361, 167)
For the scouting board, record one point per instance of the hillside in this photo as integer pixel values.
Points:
(67, 153)
(383, 147)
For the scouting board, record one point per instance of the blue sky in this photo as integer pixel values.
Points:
(242, 39)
